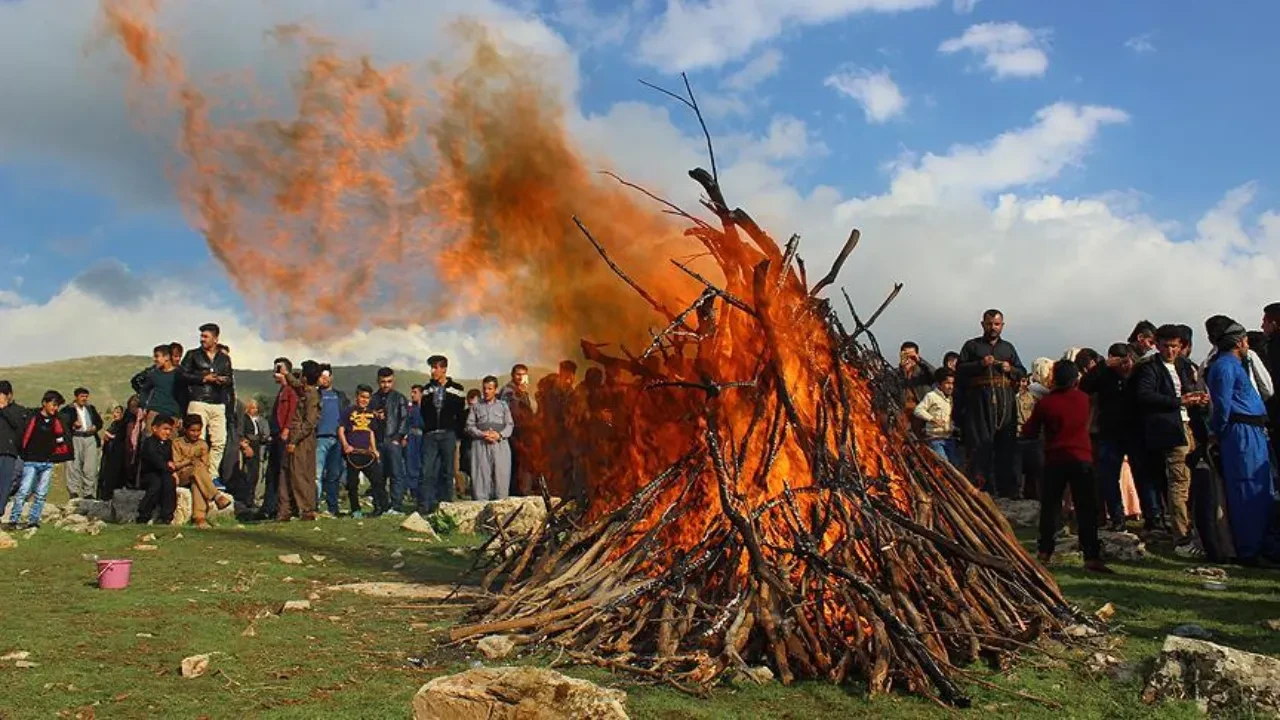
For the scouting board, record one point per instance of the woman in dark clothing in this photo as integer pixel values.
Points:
(114, 471)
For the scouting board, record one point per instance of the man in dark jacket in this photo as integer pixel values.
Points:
(84, 423)
(210, 382)
(1108, 384)
(987, 377)
(12, 419)
(281, 414)
(255, 437)
(1164, 389)
(1270, 353)
(157, 387)
(393, 410)
(444, 411)
(46, 441)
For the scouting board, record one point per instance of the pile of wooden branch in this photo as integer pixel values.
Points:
(798, 524)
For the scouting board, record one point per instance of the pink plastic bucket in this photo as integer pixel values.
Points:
(114, 574)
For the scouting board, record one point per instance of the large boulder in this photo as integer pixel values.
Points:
(95, 509)
(1221, 680)
(182, 515)
(124, 505)
(532, 511)
(1020, 513)
(516, 693)
(463, 514)
(50, 515)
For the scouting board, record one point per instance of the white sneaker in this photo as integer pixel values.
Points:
(394, 513)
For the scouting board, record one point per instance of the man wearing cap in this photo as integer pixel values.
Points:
(1238, 421)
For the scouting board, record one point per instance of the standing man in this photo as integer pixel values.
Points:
(1116, 421)
(329, 465)
(255, 438)
(207, 375)
(85, 422)
(444, 411)
(987, 374)
(1270, 353)
(281, 414)
(1238, 421)
(1143, 339)
(413, 444)
(917, 378)
(516, 395)
(1164, 389)
(157, 387)
(393, 410)
(298, 489)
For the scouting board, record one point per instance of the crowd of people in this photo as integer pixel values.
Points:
(1140, 431)
(1143, 431)
(186, 427)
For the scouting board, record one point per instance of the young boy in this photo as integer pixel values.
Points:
(360, 434)
(935, 411)
(46, 441)
(155, 472)
(157, 386)
(191, 469)
(1063, 414)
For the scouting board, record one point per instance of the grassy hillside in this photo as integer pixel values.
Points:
(107, 378)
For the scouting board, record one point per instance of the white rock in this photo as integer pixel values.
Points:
(463, 514)
(195, 666)
(291, 559)
(182, 514)
(16, 655)
(1020, 513)
(418, 524)
(7, 542)
(496, 647)
(295, 606)
(1222, 680)
(508, 693)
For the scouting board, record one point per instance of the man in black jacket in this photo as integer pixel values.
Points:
(393, 410)
(209, 381)
(12, 421)
(255, 437)
(84, 423)
(1164, 389)
(1116, 425)
(987, 377)
(1270, 353)
(444, 411)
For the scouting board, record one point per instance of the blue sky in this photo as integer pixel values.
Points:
(1183, 118)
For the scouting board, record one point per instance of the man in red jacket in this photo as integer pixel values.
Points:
(1063, 416)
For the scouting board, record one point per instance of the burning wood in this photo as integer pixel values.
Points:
(770, 507)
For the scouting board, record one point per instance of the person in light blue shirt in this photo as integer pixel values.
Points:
(329, 465)
(1238, 421)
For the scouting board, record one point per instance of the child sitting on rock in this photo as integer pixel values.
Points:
(155, 472)
(191, 468)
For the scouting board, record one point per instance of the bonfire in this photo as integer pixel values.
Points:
(770, 505)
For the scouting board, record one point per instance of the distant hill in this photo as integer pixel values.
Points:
(107, 378)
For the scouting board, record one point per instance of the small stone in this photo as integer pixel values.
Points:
(340, 540)
(1080, 631)
(7, 542)
(178, 536)
(26, 664)
(1272, 625)
(30, 532)
(333, 618)
(89, 557)
(398, 566)
(313, 596)
(496, 647)
(398, 553)
(145, 548)
(250, 631)
(143, 635)
(16, 655)
(287, 578)
(292, 559)
(760, 674)
(149, 537)
(295, 606)
(460, 552)
(315, 529)
(222, 562)
(1106, 612)
(1208, 573)
(195, 666)
(418, 524)
(319, 558)
(1195, 632)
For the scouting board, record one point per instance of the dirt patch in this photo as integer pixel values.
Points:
(408, 591)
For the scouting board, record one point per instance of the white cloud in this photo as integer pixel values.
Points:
(1141, 44)
(695, 34)
(1008, 49)
(878, 94)
(757, 70)
(964, 7)
(965, 227)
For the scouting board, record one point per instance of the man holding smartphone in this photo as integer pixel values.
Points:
(207, 375)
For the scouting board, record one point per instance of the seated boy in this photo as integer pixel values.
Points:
(191, 468)
(360, 434)
(155, 472)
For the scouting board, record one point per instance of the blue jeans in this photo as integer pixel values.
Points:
(437, 470)
(413, 464)
(1109, 458)
(946, 449)
(329, 471)
(393, 470)
(35, 476)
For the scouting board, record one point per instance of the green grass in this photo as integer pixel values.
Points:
(349, 656)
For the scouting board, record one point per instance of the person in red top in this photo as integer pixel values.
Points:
(281, 415)
(1063, 416)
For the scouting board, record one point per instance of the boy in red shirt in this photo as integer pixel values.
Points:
(1063, 415)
